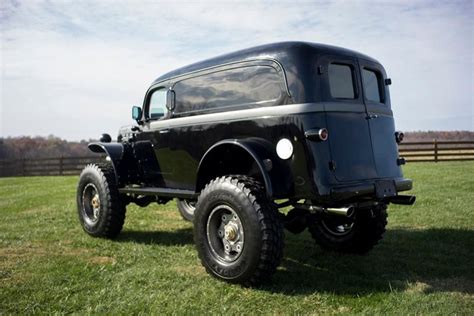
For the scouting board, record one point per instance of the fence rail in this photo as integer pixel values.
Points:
(435, 151)
(46, 166)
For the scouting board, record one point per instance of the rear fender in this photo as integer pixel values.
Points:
(274, 172)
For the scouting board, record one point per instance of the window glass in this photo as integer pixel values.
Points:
(157, 107)
(341, 83)
(233, 87)
(372, 85)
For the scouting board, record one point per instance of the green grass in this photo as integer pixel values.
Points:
(48, 264)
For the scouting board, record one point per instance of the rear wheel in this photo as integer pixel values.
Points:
(100, 209)
(357, 234)
(186, 208)
(238, 235)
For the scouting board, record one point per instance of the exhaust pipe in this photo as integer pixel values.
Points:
(342, 211)
(402, 199)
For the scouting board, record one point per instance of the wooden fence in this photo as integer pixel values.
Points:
(46, 166)
(435, 151)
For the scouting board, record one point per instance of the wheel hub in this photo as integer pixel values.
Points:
(91, 203)
(95, 201)
(225, 233)
(231, 231)
(95, 205)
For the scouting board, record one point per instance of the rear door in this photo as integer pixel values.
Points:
(380, 119)
(346, 113)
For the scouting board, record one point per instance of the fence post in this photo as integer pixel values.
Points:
(61, 165)
(435, 150)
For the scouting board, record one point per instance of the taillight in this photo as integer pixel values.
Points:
(323, 134)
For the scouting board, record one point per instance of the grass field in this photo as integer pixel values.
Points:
(424, 265)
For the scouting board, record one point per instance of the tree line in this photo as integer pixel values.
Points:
(52, 146)
(429, 136)
(41, 147)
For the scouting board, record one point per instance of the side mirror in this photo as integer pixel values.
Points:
(136, 113)
(170, 99)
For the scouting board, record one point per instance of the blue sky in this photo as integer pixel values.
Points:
(75, 68)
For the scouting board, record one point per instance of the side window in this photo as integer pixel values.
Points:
(341, 82)
(372, 85)
(245, 86)
(157, 106)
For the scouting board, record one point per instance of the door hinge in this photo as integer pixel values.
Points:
(332, 165)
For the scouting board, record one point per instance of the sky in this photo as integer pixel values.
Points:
(75, 68)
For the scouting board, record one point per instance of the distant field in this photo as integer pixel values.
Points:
(47, 264)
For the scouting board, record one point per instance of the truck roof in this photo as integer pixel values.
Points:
(287, 53)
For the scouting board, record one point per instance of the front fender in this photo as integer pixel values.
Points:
(115, 153)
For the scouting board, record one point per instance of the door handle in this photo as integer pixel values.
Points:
(312, 134)
(164, 131)
(371, 116)
(320, 134)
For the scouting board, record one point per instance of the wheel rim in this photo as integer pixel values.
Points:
(338, 227)
(90, 203)
(225, 234)
(189, 206)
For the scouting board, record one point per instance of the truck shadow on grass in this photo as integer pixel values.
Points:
(425, 261)
(179, 237)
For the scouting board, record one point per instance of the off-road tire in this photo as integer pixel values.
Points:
(186, 209)
(367, 230)
(111, 212)
(263, 247)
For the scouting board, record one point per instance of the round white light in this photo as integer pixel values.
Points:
(284, 148)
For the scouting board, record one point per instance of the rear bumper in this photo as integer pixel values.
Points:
(351, 192)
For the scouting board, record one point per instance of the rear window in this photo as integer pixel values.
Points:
(341, 83)
(372, 85)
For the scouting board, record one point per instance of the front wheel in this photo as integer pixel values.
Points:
(100, 209)
(238, 235)
(357, 234)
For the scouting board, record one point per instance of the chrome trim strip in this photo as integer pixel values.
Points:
(261, 112)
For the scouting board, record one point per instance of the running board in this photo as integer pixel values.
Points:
(174, 193)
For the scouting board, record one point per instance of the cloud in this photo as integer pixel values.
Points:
(75, 68)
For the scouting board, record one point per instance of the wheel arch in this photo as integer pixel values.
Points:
(256, 157)
(115, 153)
